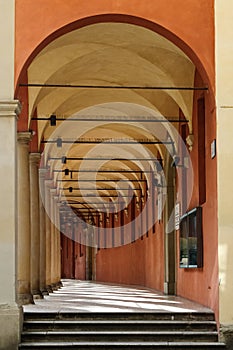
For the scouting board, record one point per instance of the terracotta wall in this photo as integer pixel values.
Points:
(138, 263)
(189, 24)
(73, 258)
(201, 284)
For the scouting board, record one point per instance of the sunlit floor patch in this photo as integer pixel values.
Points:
(88, 296)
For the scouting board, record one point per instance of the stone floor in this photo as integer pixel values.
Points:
(88, 296)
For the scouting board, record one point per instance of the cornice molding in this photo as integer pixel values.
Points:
(10, 108)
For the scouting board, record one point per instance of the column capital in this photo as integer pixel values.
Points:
(56, 198)
(43, 172)
(10, 108)
(24, 137)
(53, 193)
(34, 157)
(48, 184)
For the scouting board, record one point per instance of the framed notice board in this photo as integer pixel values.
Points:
(191, 239)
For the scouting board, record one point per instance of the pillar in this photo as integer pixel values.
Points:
(58, 241)
(169, 232)
(42, 269)
(35, 225)
(24, 234)
(48, 282)
(10, 313)
(224, 114)
(53, 239)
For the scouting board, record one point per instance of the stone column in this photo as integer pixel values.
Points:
(35, 225)
(58, 241)
(48, 184)
(42, 175)
(53, 239)
(24, 234)
(9, 311)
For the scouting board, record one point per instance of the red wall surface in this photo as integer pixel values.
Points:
(201, 284)
(189, 24)
(138, 263)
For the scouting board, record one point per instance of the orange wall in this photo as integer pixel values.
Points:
(189, 23)
(138, 263)
(201, 285)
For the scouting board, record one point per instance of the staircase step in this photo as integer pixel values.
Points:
(120, 330)
(122, 345)
(119, 336)
(134, 325)
(204, 316)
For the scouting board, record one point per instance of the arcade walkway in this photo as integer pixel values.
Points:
(87, 296)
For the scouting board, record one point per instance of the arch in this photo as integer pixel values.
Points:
(21, 77)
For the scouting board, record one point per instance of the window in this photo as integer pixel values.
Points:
(191, 252)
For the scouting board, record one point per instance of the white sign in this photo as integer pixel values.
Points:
(177, 216)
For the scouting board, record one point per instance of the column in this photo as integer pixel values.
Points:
(42, 175)
(9, 311)
(169, 231)
(53, 239)
(24, 234)
(224, 111)
(35, 225)
(48, 282)
(58, 241)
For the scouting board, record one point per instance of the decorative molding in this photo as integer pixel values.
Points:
(10, 108)
(24, 137)
(34, 157)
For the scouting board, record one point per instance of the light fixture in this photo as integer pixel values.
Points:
(59, 142)
(159, 165)
(53, 120)
(67, 171)
(176, 161)
(70, 189)
(33, 133)
(63, 160)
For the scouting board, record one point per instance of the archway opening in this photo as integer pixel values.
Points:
(116, 101)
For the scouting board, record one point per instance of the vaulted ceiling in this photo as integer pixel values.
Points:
(108, 54)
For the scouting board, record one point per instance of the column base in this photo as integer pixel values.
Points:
(44, 292)
(11, 320)
(59, 284)
(49, 288)
(36, 294)
(170, 288)
(54, 286)
(226, 335)
(24, 299)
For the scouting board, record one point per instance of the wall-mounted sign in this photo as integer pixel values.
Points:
(177, 216)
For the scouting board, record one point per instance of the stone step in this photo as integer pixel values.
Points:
(120, 330)
(183, 316)
(120, 325)
(119, 336)
(122, 345)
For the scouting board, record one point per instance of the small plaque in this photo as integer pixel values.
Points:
(177, 216)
